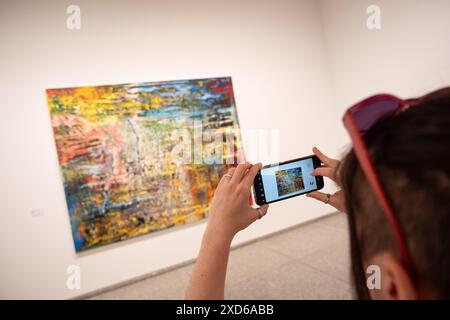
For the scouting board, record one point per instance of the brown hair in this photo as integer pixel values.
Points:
(411, 154)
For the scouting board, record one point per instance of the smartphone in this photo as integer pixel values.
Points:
(287, 179)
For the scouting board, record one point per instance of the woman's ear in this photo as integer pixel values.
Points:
(396, 284)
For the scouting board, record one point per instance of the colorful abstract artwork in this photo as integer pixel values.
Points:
(289, 180)
(138, 158)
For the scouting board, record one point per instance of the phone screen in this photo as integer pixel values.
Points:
(288, 179)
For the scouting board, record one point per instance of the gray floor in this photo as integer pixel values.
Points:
(307, 262)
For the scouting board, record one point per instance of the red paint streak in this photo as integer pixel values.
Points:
(77, 139)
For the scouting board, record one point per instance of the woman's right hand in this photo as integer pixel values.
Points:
(329, 170)
(230, 210)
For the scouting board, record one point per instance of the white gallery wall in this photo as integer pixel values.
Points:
(295, 66)
(408, 56)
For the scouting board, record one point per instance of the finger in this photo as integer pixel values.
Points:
(226, 178)
(240, 157)
(322, 197)
(247, 181)
(264, 208)
(317, 195)
(324, 159)
(239, 172)
(325, 172)
(255, 215)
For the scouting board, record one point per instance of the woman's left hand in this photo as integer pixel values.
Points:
(330, 169)
(230, 210)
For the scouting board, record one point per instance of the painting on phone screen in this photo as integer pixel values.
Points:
(119, 149)
(289, 181)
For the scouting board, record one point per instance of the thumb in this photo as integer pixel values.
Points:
(317, 195)
(322, 197)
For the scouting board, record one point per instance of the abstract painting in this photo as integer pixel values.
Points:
(141, 157)
(289, 180)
